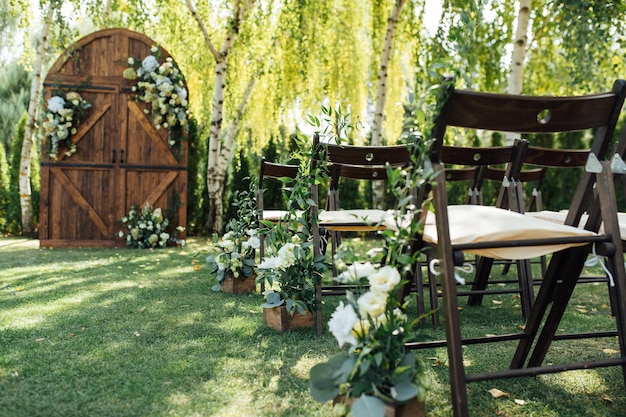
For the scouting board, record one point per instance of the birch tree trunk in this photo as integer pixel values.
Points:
(27, 145)
(519, 54)
(228, 147)
(220, 153)
(381, 90)
(107, 10)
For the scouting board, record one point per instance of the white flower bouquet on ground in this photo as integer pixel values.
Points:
(378, 368)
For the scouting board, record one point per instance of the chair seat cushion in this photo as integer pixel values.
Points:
(274, 215)
(475, 224)
(354, 219)
(559, 217)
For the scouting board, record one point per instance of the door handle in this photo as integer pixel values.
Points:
(113, 159)
(121, 156)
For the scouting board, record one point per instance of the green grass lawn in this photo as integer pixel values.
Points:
(122, 332)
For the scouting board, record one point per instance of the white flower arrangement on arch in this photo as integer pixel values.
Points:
(160, 83)
(61, 119)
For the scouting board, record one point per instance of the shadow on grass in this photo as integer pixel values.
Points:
(116, 332)
(120, 332)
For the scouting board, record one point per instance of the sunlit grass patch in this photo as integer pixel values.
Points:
(122, 332)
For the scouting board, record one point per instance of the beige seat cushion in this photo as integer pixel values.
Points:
(475, 223)
(275, 215)
(559, 217)
(354, 219)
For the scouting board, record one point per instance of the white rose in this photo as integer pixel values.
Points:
(342, 322)
(286, 256)
(222, 261)
(269, 263)
(157, 215)
(254, 242)
(153, 239)
(384, 280)
(227, 245)
(181, 92)
(355, 271)
(372, 304)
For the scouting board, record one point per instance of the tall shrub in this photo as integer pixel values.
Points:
(4, 190)
(196, 180)
(13, 214)
(239, 180)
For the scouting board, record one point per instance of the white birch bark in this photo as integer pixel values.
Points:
(107, 10)
(217, 160)
(518, 55)
(27, 145)
(381, 90)
(228, 147)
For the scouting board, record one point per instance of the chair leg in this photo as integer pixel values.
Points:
(556, 269)
(525, 281)
(453, 336)
(319, 316)
(458, 388)
(483, 269)
(335, 241)
(419, 287)
(261, 256)
(432, 292)
(559, 304)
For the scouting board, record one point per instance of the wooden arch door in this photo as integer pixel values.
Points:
(121, 158)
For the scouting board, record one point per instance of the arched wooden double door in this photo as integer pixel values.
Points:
(121, 159)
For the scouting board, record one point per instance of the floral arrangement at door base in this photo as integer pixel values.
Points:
(145, 228)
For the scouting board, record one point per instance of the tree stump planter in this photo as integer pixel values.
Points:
(241, 285)
(279, 319)
(412, 408)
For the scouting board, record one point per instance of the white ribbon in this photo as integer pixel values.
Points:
(467, 268)
(595, 260)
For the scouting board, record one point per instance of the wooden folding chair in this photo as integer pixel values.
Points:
(505, 234)
(537, 161)
(278, 172)
(357, 162)
(544, 158)
(480, 159)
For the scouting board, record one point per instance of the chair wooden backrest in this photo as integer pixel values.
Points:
(532, 176)
(527, 114)
(340, 171)
(368, 163)
(267, 170)
(481, 158)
